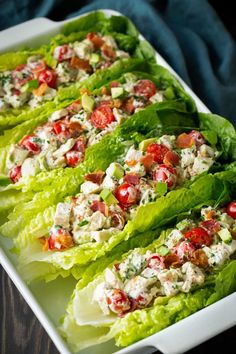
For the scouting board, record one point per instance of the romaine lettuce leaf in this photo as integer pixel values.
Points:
(207, 189)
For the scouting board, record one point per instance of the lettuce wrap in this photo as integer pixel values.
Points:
(154, 286)
(126, 40)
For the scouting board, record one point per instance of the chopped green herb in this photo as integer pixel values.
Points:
(83, 223)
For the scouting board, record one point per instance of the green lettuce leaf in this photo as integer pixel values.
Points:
(207, 189)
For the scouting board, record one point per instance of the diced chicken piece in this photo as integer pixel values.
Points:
(173, 238)
(66, 73)
(89, 187)
(193, 276)
(133, 154)
(83, 49)
(101, 236)
(112, 279)
(217, 254)
(109, 40)
(206, 151)
(58, 114)
(122, 54)
(97, 221)
(16, 156)
(168, 141)
(187, 157)
(30, 167)
(201, 164)
(109, 183)
(132, 265)
(142, 289)
(158, 97)
(100, 297)
(62, 215)
(64, 148)
(171, 281)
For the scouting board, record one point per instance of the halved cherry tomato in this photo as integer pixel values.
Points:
(15, 174)
(48, 77)
(212, 226)
(158, 151)
(231, 209)
(95, 39)
(102, 117)
(197, 137)
(127, 195)
(171, 158)
(114, 84)
(118, 301)
(28, 143)
(63, 52)
(184, 141)
(73, 158)
(166, 174)
(198, 236)
(156, 262)
(145, 88)
(184, 250)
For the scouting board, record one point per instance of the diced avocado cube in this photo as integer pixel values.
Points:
(94, 59)
(169, 93)
(115, 170)
(108, 197)
(87, 102)
(163, 250)
(32, 84)
(145, 143)
(117, 92)
(225, 235)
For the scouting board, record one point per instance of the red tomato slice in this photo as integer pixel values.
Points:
(198, 236)
(118, 301)
(48, 77)
(231, 209)
(145, 88)
(59, 128)
(95, 39)
(197, 137)
(158, 151)
(166, 174)
(15, 174)
(73, 158)
(184, 250)
(102, 117)
(184, 141)
(28, 143)
(171, 158)
(127, 195)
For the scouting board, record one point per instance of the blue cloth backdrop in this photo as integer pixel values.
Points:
(187, 33)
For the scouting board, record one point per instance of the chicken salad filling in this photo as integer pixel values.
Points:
(35, 82)
(63, 139)
(107, 200)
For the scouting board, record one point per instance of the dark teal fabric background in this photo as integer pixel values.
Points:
(188, 33)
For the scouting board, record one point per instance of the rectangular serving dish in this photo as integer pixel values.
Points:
(177, 338)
